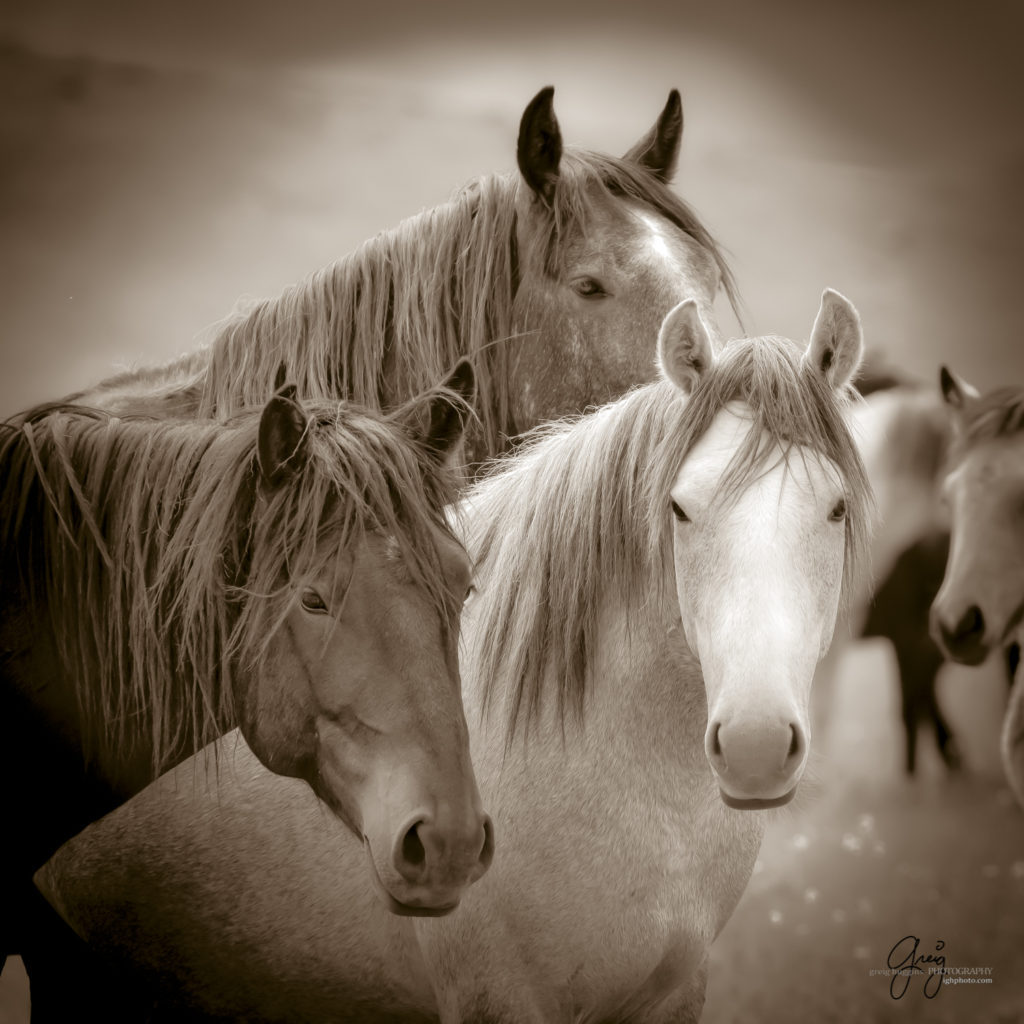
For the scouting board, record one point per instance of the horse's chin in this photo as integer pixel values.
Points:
(396, 906)
(756, 803)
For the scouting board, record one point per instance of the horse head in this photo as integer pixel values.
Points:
(761, 534)
(981, 603)
(356, 688)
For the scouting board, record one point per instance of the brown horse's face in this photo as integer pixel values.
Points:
(360, 696)
(358, 691)
(587, 328)
(981, 602)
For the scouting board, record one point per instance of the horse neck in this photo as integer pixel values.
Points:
(644, 718)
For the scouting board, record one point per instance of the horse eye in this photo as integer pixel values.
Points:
(588, 288)
(838, 513)
(470, 591)
(312, 601)
(678, 512)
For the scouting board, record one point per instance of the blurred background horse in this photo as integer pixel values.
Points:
(981, 603)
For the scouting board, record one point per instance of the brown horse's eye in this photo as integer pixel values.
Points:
(313, 602)
(838, 513)
(678, 512)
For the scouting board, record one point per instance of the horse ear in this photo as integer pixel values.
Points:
(283, 445)
(684, 346)
(448, 414)
(837, 342)
(658, 150)
(957, 394)
(281, 377)
(539, 150)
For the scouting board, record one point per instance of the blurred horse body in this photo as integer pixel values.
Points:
(655, 583)
(554, 282)
(904, 435)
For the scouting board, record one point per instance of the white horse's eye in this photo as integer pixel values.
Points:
(678, 512)
(838, 513)
(313, 602)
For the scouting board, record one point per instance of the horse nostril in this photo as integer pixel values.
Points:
(413, 851)
(972, 623)
(487, 850)
(794, 743)
(716, 746)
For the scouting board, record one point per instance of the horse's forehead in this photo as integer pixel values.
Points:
(631, 233)
(709, 458)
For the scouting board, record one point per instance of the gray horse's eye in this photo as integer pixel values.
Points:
(838, 513)
(588, 288)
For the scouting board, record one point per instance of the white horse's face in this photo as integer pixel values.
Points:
(759, 564)
(758, 577)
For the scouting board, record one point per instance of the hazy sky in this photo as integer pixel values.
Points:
(876, 148)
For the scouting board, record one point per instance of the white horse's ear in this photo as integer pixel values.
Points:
(684, 346)
(957, 394)
(837, 342)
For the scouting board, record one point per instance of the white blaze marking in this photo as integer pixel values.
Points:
(658, 242)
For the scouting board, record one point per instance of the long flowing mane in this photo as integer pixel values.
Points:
(583, 511)
(164, 568)
(383, 323)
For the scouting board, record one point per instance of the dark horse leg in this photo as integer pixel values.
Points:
(919, 665)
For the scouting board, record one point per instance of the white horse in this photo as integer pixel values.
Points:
(655, 585)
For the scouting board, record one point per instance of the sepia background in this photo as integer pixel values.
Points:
(159, 162)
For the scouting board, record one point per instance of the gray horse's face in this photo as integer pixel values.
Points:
(590, 326)
(602, 257)
(981, 602)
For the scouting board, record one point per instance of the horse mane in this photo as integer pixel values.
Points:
(998, 413)
(165, 568)
(597, 518)
(392, 317)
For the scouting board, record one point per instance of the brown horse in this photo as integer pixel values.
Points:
(553, 281)
(290, 570)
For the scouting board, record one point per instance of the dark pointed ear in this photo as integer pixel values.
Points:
(283, 445)
(958, 395)
(956, 392)
(281, 377)
(837, 342)
(658, 150)
(539, 150)
(447, 415)
(685, 353)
